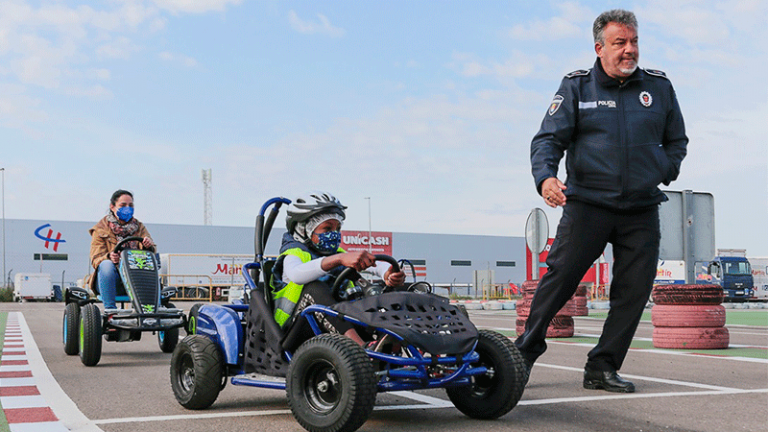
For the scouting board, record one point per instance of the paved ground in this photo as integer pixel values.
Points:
(129, 390)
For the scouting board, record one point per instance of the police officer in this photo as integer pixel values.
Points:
(623, 134)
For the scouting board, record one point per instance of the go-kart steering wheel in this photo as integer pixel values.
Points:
(352, 274)
(126, 240)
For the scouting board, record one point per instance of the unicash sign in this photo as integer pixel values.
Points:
(377, 242)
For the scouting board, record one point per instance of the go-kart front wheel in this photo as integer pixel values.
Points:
(90, 335)
(331, 384)
(196, 372)
(70, 327)
(494, 394)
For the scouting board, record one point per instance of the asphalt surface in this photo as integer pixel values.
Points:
(129, 390)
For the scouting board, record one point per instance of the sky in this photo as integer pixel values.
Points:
(423, 110)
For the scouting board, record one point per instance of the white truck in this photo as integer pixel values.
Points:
(32, 286)
(760, 277)
(203, 275)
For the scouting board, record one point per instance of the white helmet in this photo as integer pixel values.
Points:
(304, 207)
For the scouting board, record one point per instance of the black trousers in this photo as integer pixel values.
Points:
(582, 235)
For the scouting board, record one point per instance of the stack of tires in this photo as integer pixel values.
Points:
(561, 325)
(689, 317)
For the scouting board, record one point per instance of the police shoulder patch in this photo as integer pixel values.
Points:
(656, 72)
(576, 73)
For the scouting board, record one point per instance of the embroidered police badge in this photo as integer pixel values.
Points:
(555, 105)
(646, 99)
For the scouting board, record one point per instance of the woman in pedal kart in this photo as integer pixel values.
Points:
(311, 258)
(118, 224)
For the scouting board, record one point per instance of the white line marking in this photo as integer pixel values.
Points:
(23, 402)
(639, 396)
(38, 427)
(14, 357)
(16, 382)
(64, 408)
(423, 398)
(644, 378)
(14, 368)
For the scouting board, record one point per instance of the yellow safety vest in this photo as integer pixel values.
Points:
(286, 298)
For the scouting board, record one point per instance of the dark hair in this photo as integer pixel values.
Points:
(118, 193)
(618, 16)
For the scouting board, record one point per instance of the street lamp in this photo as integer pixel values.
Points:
(369, 224)
(3, 171)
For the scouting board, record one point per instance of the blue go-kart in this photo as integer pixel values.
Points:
(144, 307)
(417, 341)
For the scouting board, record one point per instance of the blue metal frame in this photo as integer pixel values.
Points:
(222, 324)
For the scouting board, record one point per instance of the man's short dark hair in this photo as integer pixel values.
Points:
(618, 16)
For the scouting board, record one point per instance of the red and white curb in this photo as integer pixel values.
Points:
(28, 391)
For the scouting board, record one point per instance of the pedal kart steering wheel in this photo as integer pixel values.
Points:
(126, 240)
(363, 287)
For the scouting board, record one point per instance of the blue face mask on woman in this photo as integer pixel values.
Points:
(124, 213)
(329, 241)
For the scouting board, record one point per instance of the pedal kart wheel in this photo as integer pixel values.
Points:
(70, 328)
(331, 384)
(90, 335)
(168, 339)
(494, 394)
(196, 372)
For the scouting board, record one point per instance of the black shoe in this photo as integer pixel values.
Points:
(607, 380)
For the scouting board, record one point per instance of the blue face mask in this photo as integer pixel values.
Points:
(125, 213)
(329, 241)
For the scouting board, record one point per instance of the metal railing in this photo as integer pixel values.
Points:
(189, 286)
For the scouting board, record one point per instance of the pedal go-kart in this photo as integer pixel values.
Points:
(419, 341)
(139, 285)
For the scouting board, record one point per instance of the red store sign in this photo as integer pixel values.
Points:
(376, 241)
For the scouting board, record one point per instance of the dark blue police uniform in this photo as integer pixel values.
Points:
(621, 140)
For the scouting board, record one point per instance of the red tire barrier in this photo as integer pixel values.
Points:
(688, 315)
(691, 337)
(687, 294)
(530, 285)
(581, 291)
(559, 327)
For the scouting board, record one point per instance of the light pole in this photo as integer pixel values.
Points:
(369, 224)
(3, 171)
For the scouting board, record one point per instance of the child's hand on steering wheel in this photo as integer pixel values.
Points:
(359, 260)
(394, 279)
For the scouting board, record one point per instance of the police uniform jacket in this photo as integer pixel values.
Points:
(622, 139)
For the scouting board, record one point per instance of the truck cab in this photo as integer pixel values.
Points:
(733, 273)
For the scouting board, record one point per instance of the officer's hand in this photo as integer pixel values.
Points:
(359, 261)
(394, 279)
(552, 192)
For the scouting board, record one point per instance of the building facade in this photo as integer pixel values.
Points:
(61, 249)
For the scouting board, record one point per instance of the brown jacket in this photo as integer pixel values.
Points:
(103, 241)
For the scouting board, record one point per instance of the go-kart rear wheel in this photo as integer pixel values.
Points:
(492, 395)
(90, 335)
(196, 372)
(70, 326)
(331, 385)
(168, 339)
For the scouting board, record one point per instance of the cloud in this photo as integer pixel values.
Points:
(569, 23)
(324, 27)
(178, 58)
(195, 6)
